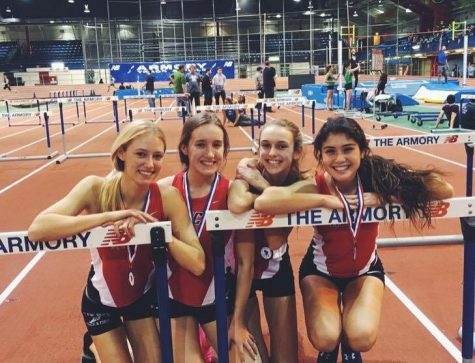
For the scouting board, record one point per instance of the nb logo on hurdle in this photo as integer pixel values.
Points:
(451, 139)
(438, 209)
(112, 239)
(259, 220)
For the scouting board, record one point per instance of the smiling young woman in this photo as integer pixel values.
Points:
(341, 276)
(116, 303)
(277, 164)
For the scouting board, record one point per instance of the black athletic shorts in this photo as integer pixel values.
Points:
(307, 267)
(101, 319)
(281, 284)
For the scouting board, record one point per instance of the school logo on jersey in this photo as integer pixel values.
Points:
(112, 239)
(197, 218)
(257, 220)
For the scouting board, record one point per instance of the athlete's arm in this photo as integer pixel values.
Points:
(185, 246)
(63, 218)
(238, 333)
(301, 195)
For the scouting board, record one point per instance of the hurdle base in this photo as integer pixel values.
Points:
(33, 157)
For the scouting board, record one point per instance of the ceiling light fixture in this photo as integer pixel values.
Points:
(163, 2)
(8, 10)
(355, 14)
(71, 1)
(408, 10)
(238, 8)
(86, 9)
(380, 3)
(278, 16)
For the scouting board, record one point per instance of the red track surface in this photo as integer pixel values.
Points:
(41, 320)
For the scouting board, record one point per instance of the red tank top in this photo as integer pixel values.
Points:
(113, 265)
(183, 285)
(333, 245)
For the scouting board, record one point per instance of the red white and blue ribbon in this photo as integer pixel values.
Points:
(353, 216)
(189, 203)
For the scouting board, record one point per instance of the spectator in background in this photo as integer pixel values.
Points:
(236, 117)
(101, 81)
(455, 71)
(258, 79)
(193, 86)
(442, 64)
(468, 115)
(179, 83)
(219, 80)
(6, 83)
(355, 66)
(471, 70)
(330, 79)
(451, 111)
(207, 88)
(268, 81)
(121, 87)
(383, 80)
(150, 87)
(111, 84)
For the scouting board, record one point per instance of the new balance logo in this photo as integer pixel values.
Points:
(259, 220)
(438, 209)
(451, 139)
(112, 239)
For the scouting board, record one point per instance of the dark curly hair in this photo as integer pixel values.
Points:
(392, 181)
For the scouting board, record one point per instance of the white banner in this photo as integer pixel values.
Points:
(225, 220)
(18, 242)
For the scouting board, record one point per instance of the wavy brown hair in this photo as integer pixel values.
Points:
(414, 189)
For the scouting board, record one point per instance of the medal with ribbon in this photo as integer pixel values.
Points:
(354, 216)
(189, 203)
(132, 249)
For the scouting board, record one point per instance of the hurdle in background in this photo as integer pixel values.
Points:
(160, 97)
(50, 153)
(158, 234)
(61, 101)
(22, 101)
(155, 110)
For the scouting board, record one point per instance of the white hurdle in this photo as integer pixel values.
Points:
(50, 153)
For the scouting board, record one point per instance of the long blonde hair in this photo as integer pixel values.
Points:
(109, 197)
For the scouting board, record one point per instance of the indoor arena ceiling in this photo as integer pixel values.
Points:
(26, 10)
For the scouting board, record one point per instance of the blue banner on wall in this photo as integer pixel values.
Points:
(137, 72)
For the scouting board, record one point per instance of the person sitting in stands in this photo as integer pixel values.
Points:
(236, 117)
(451, 111)
(121, 87)
(468, 115)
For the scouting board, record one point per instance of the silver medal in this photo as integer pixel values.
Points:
(131, 278)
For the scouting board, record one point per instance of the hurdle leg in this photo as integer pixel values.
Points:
(84, 110)
(303, 115)
(468, 231)
(264, 112)
(63, 135)
(130, 116)
(77, 111)
(8, 113)
(159, 251)
(313, 119)
(217, 239)
(259, 117)
(253, 137)
(39, 111)
(115, 113)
